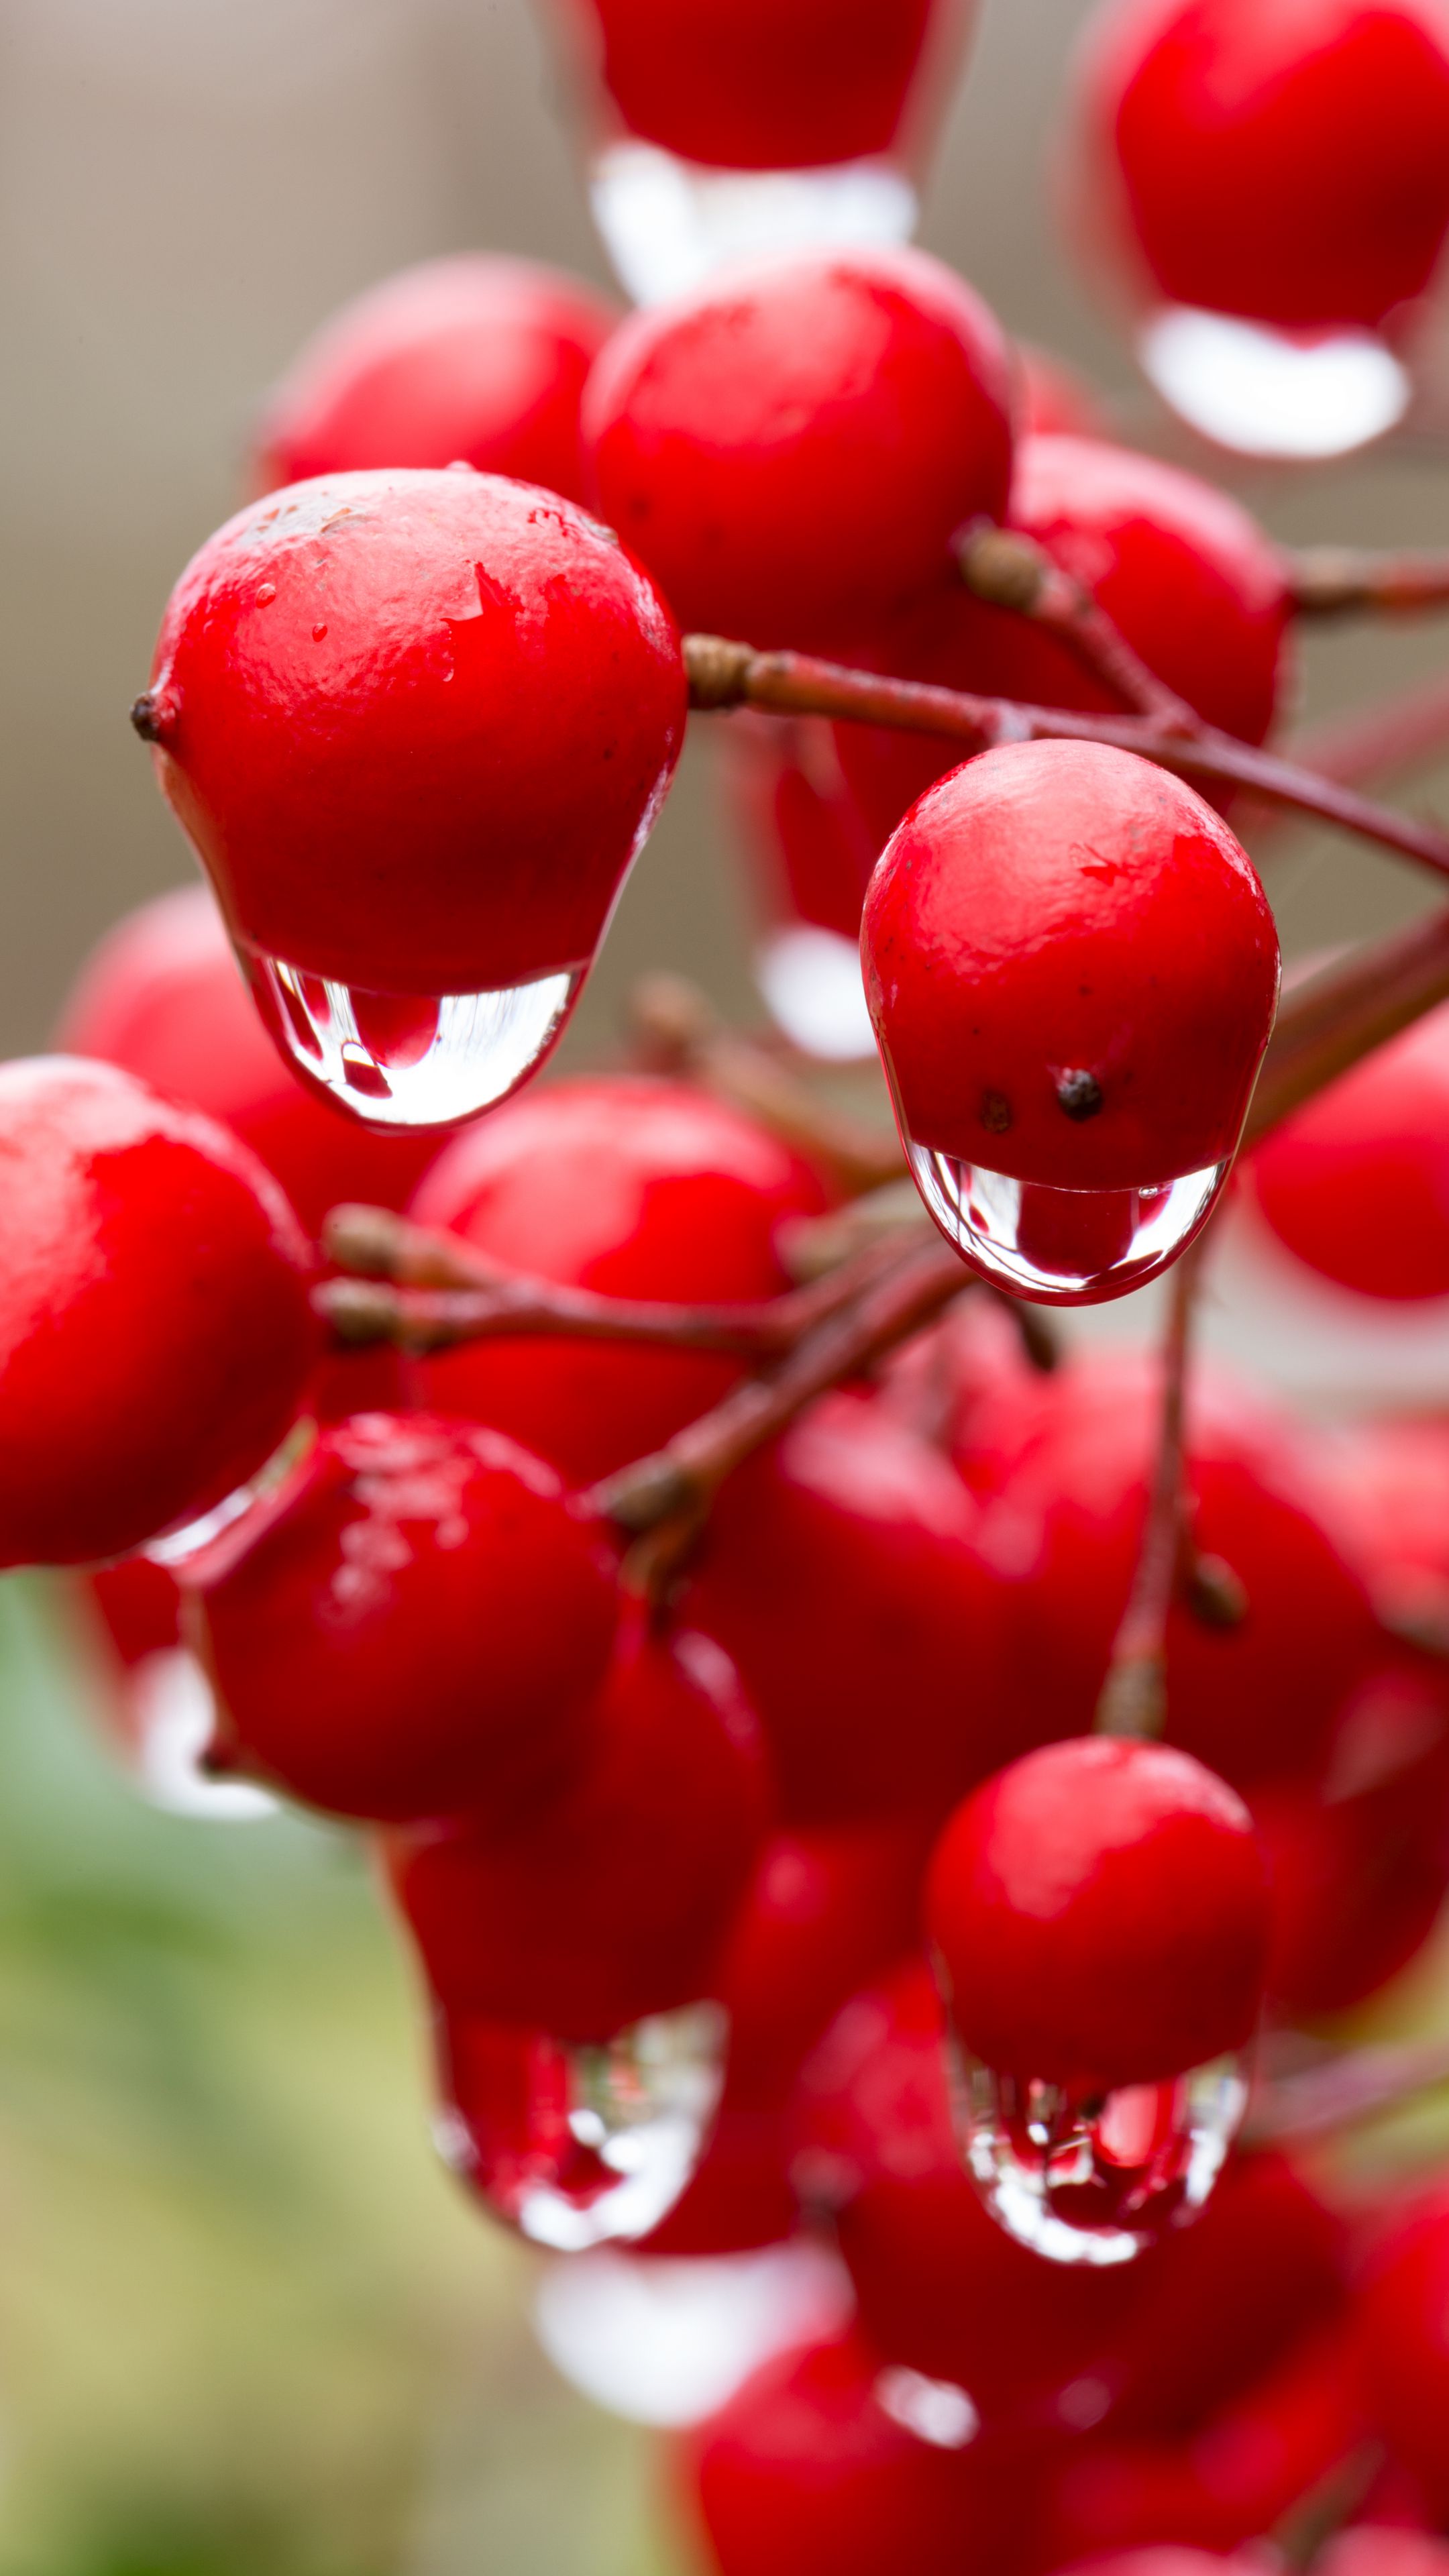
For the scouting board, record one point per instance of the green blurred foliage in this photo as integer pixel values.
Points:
(246, 2321)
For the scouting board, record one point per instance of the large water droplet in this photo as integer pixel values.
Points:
(170, 1720)
(668, 224)
(668, 2340)
(1264, 392)
(1062, 1247)
(1097, 2181)
(578, 2146)
(410, 1060)
(812, 986)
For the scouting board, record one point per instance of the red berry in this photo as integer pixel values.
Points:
(162, 997)
(792, 451)
(1286, 160)
(844, 1572)
(155, 1333)
(1101, 1913)
(810, 848)
(414, 1627)
(1383, 2550)
(363, 684)
(1055, 399)
(762, 84)
(614, 1901)
(1357, 1183)
(632, 1188)
(805, 2472)
(1056, 915)
(1254, 1685)
(140, 1607)
(1195, 586)
(1403, 2338)
(477, 358)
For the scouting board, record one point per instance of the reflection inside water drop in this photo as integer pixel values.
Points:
(410, 1060)
(1062, 1247)
(811, 983)
(580, 2145)
(1264, 392)
(668, 224)
(170, 1721)
(1097, 2181)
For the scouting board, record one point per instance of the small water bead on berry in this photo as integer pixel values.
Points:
(418, 828)
(737, 431)
(1267, 180)
(476, 359)
(579, 2143)
(773, 126)
(1100, 1912)
(1073, 971)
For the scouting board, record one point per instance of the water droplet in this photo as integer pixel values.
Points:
(1097, 2181)
(578, 2146)
(180, 1548)
(935, 2410)
(266, 593)
(668, 224)
(319, 632)
(1062, 1247)
(812, 986)
(171, 1717)
(668, 2339)
(1264, 392)
(410, 1060)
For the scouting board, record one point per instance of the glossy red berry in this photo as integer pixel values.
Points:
(1357, 1183)
(1191, 581)
(1072, 970)
(844, 1570)
(1286, 160)
(1101, 1914)
(162, 996)
(1384, 2549)
(761, 84)
(155, 1332)
(1403, 2342)
(614, 1901)
(807, 2471)
(478, 358)
(632, 1188)
(413, 1627)
(792, 450)
(417, 726)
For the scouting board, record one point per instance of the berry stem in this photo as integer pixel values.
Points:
(1335, 581)
(724, 674)
(1134, 1695)
(1010, 570)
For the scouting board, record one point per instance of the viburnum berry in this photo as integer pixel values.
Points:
(162, 996)
(1384, 2549)
(417, 726)
(476, 358)
(761, 84)
(1266, 1647)
(845, 1572)
(633, 1188)
(1402, 2331)
(813, 2469)
(792, 449)
(613, 1900)
(155, 1331)
(413, 1626)
(808, 853)
(1055, 399)
(1187, 576)
(1100, 1910)
(1356, 1184)
(1282, 160)
(1073, 971)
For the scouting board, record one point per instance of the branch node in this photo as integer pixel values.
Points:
(718, 671)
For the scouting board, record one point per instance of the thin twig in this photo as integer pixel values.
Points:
(724, 674)
(1362, 2084)
(1010, 570)
(1134, 1695)
(1335, 581)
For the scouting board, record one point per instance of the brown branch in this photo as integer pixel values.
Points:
(1010, 570)
(1357, 745)
(1363, 2084)
(1338, 1016)
(1134, 1695)
(724, 674)
(1335, 581)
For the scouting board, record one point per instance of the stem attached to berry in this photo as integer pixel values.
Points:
(1010, 570)
(724, 674)
(1334, 581)
(1134, 1695)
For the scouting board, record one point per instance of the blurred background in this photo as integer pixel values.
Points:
(245, 2320)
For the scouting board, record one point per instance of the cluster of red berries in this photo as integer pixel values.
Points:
(777, 1882)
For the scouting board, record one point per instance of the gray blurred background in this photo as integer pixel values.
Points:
(188, 186)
